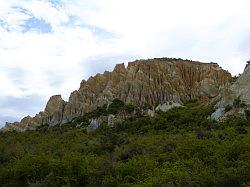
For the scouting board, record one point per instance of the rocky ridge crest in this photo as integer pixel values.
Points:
(142, 83)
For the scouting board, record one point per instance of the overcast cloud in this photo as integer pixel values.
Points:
(48, 46)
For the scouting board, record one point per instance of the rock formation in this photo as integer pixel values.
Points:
(239, 90)
(167, 106)
(142, 83)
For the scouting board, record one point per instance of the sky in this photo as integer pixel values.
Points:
(48, 46)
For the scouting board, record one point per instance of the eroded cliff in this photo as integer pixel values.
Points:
(142, 83)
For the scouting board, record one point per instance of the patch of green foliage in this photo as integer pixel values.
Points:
(238, 103)
(115, 106)
(180, 147)
(247, 114)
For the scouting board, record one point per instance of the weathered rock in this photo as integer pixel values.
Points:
(54, 110)
(167, 106)
(142, 83)
(240, 112)
(239, 89)
(94, 124)
(111, 120)
(151, 113)
(218, 113)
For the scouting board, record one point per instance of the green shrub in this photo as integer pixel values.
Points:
(115, 106)
(238, 103)
(247, 112)
(228, 108)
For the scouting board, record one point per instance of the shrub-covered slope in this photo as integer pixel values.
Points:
(178, 148)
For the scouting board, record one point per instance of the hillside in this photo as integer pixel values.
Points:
(180, 147)
(157, 122)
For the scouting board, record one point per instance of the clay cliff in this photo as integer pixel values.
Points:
(142, 83)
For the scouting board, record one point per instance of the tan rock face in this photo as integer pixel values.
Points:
(143, 83)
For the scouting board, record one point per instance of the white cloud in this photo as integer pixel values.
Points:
(34, 63)
(149, 28)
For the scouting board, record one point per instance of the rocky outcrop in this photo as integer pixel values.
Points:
(94, 124)
(167, 106)
(54, 110)
(142, 83)
(52, 114)
(239, 90)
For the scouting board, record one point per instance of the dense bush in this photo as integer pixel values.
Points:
(178, 148)
(247, 114)
(115, 106)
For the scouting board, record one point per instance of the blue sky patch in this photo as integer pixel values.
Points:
(39, 25)
(33, 23)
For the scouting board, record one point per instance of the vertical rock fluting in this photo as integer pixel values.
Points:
(142, 83)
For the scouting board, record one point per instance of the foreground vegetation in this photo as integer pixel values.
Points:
(178, 148)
